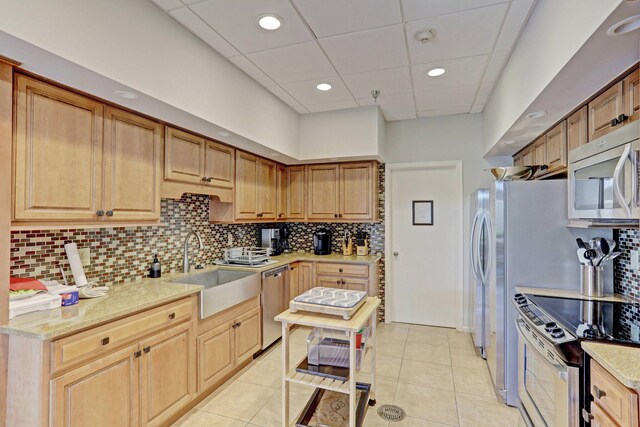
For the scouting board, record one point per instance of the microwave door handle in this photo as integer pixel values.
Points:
(616, 181)
(472, 253)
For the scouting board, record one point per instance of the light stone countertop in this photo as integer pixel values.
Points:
(623, 362)
(135, 296)
(563, 293)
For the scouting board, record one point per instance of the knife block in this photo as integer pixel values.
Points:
(363, 249)
(347, 248)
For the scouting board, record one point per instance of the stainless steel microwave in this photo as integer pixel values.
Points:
(603, 177)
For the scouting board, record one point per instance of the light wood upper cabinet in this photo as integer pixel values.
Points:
(296, 186)
(358, 190)
(281, 177)
(518, 159)
(322, 191)
(184, 157)
(132, 159)
(577, 129)
(603, 109)
(556, 147)
(58, 150)
(539, 150)
(246, 199)
(527, 156)
(267, 189)
(219, 164)
(631, 85)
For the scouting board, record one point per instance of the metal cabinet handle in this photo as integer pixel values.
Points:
(343, 282)
(239, 324)
(335, 215)
(597, 393)
(396, 253)
(204, 179)
(109, 213)
(340, 215)
(100, 213)
(147, 349)
(137, 354)
(339, 270)
(172, 316)
(209, 179)
(104, 341)
(337, 282)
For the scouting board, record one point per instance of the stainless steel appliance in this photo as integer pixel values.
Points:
(322, 242)
(272, 238)
(480, 262)
(603, 177)
(548, 386)
(531, 245)
(274, 299)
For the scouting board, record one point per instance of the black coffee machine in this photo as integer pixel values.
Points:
(322, 242)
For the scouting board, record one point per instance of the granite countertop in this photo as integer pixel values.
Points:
(131, 297)
(622, 362)
(563, 293)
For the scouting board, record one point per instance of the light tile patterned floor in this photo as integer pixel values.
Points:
(433, 373)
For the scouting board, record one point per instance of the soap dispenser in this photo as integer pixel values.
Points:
(155, 270)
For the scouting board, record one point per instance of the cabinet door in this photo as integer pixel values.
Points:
(183, 157)
(167, 374)
(527, 156)
(518, 160)
(557, 147)
(603, 109)
(577, 129)
(219, 161)
(600, 417)
(247, 335)
(356, 284)
(216, 356)
(632, 95)
(132, 153)
(329, 282)
(357, 191)
(281, 174)
(267, 189)
(306, 276)
(58, 153)
(296, 186)
(322, 191)
(246, 199)
(540, 151)
(294, 282)
(100, 393)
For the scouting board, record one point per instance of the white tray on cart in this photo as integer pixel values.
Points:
(336, 302)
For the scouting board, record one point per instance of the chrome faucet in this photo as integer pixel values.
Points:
(185, 261)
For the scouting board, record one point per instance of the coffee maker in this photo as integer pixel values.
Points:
(272, 238)
(322, 242)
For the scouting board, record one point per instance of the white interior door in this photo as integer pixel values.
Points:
(426, 271)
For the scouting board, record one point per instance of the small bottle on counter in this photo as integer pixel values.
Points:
(155, 270)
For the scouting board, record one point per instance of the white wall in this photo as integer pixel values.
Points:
(554, 33)
(350, 133)
(135, 43)
(444, 138)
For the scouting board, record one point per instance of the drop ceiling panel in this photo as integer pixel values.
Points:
(332, 17)
(332, 106)
(460, 109)
(458, 35)
(439, 98)
(401, 103)
(237, 22)
(168, 4)
(198, 27)
(367, 50)
(464, 71)
(513, 23)
(293, 63)
(286, 98)
(390, 81)
(419, 9)
(307, 94)
(254, 72)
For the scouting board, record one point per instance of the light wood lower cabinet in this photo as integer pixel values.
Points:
(600, 417)
(216, 355)
(247, 335)
(619, 403)
(341, 275)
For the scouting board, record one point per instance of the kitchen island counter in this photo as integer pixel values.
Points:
(623, 362)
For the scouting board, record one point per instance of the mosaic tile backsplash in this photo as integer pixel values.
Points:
(122, 254)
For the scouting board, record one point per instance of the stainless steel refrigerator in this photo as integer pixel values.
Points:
(479, 264)
(528, 244)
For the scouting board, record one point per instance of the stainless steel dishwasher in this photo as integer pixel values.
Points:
(275, 300)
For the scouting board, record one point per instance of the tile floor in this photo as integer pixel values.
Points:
(432, 373)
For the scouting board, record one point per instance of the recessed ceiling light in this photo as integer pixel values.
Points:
(508, 142)
(269, 22)
(127, 94)
(224, 133)
(324, 86)
(625, 26)
(536, 114)
(435, 72)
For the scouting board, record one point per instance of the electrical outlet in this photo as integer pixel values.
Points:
(85, 256)
(635, 333)
(635, 262)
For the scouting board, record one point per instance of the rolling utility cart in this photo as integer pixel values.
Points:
(361, 395)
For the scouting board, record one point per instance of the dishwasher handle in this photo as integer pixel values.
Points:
(276, 272)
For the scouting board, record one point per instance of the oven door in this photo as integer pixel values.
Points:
(544, 382)
(604, 186)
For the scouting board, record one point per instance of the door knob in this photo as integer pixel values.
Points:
(395, 254)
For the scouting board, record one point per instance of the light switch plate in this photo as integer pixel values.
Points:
(635, 262)
(635, 333)
(85, 256)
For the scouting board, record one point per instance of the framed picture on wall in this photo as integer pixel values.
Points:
(423, 212)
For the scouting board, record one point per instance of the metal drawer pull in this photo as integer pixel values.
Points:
(172, 316)
(340, 270)
(146, 349)
(104, 341)
(599, 394)
(109, 213)
(100, 213)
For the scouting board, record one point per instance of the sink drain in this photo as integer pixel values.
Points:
(391, 413)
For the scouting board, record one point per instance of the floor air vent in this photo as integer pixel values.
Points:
(391, 413)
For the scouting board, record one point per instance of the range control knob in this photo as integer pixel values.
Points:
(557, 333)
(549, 327)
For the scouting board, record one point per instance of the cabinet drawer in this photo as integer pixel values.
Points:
(620, 403)
(84, 345)
(342, 269)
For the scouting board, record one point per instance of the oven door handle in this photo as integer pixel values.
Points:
(616, 181)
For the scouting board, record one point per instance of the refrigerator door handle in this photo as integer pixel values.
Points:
(472, 253)
(486, 222)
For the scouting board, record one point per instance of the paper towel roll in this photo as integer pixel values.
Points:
(76, 265)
